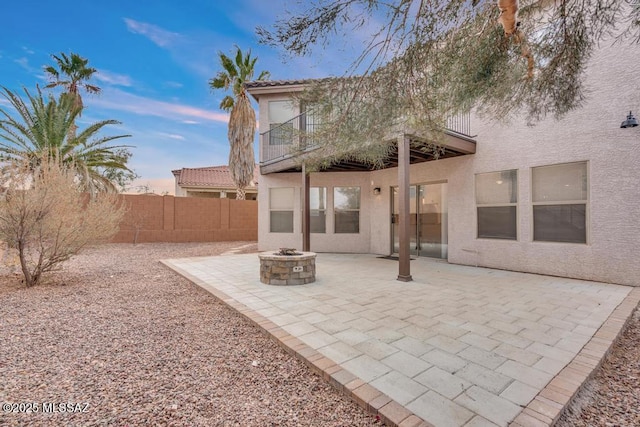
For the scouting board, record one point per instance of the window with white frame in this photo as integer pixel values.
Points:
(280, 125)
(560, 198)
(346, 206)
(318, 203)
(281, 210)
(496, 204)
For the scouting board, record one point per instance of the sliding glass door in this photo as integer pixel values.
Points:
(427, 220)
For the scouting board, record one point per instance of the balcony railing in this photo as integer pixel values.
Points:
(460, 124)
(283, 140)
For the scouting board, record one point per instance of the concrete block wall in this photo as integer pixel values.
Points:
(187, 219)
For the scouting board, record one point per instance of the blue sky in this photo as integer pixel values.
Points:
(154, 59)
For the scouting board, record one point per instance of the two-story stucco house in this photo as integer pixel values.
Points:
(560, 198)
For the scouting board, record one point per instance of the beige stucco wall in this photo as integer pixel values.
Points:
(320, 242)
(590, 134)
(179, 191)
(593, 134)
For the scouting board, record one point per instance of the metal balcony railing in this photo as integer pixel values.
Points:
(283, 140)
(460, 124)
(292, 136)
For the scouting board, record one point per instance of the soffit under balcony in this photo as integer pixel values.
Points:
(453, 145)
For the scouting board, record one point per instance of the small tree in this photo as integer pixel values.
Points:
(47, 219)
(121, 178)
(136, 220)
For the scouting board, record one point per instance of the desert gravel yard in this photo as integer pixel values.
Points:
(130, 343)
(120, 340)
(612, 397)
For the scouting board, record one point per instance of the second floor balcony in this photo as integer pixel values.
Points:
(284, 141)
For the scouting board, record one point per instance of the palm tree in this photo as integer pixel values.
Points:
(242, 119)
(41, 130)
(73, 75)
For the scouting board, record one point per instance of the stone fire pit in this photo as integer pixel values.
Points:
(286, 270)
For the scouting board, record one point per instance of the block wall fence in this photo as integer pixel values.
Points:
(187, 219)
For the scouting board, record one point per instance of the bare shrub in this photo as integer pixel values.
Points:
(135, 220)
(47, 219)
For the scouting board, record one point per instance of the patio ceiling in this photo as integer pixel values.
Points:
(417, 155)
(454, 145)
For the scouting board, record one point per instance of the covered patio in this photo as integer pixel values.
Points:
(456, 346)
(407, 147)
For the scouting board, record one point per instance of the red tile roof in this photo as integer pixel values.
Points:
(276, 83)
(268, 83)
(210, 176)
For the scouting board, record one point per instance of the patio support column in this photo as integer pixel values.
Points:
(306, 212)
(404, 160)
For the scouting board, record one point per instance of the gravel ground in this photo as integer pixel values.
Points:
(133, 344)
(612, 397)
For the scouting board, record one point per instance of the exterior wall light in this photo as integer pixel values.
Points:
(376, 191)
(631, 122)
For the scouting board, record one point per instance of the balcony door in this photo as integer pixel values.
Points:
(428, 220)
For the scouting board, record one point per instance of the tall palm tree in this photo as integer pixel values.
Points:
(242, 119)
(40, 129)
(72, 75)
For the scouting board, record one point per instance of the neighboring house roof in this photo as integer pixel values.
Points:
(270, 83)
(210, 176)
(294, 82)
(265, 87)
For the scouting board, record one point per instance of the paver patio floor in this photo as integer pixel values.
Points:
(457, 346)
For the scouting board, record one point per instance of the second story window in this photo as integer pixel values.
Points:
(281, 128)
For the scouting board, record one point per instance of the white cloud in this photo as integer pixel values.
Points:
(172, 136)
(27, 50)
(173, 85)
(124, 101)
(24, 63)
(192, 51)
(113, 78)
(159, 36)
(190, 122)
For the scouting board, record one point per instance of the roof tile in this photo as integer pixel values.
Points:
(210, 176)
(269, 83)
